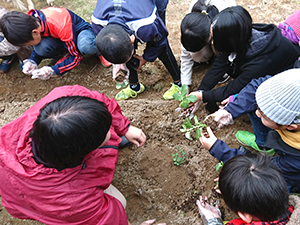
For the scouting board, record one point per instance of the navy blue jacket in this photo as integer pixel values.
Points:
(288, 159)
(136, 17)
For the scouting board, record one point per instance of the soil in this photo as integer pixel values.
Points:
(153, 186)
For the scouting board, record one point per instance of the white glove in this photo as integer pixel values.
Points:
(120, 72)
(222, 116)
(44, 73)
(209, 214)
(29, 66)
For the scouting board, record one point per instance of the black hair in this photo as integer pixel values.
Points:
(69, 128)
(252, 184)
(17, 27)
(232, 31)
(195, 26)
(114, 43)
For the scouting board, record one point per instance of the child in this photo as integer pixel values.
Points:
(255, 190)
(259, 50)
(57, 160)
(53, 32)
(195, 35)
(290, 28)
(9, 52)
(119, 27)
(276, 103)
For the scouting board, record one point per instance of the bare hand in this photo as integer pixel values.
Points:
(216, 188)
(142, 61)
(136, 136)
(224, 103)
(207, 142)
(148, 222)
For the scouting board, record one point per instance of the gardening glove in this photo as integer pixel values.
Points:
(29, 66)
(222, 116)
(209, 213)
(149, 222)
(44, 73)
(120, 72)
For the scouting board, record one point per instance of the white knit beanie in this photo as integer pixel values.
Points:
(279, 97)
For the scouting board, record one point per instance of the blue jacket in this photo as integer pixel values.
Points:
(136, 17)
(288, 159)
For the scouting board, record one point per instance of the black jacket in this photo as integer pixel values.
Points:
(269, 53)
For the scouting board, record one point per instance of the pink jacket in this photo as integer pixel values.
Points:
(72, 195)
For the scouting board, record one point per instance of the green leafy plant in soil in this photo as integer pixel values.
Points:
(184, 100)
(179, 156)
(189, 127)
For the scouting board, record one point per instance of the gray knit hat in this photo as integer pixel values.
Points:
(279, 97)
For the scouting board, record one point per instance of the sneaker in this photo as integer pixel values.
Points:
(128, 92)
(247, 138)
(169, 93)
(6, 64)
(224, 79)
(196, 65)
(104, 62)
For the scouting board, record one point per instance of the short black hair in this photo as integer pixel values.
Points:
(17, 27)
(232, 31)
(114, 43)
(252, 184)
(69, 128)
(195, 26)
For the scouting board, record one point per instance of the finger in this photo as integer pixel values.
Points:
(149, 221)
(216, 179)
(209, 131)
(217, 203)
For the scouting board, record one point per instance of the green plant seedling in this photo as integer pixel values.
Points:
(219, 166)
(179, 156)
(188, 127)
(184, 100)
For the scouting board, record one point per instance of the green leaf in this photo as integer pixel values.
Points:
(183, 130)
(188, 123)
(196, 120)
(219, 166)
(198, 133)
(183, 90)
(191, 98)
(188, 136)
(177, 96)
(185, 103)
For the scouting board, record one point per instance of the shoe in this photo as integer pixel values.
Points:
(224, 79)
(169, 93)
(247, 138)
(244, 150)
(104, 62)
(128, 92)
(6, 64)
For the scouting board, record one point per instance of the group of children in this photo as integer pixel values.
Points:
(41, 152)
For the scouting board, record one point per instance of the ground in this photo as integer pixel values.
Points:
(153, 186)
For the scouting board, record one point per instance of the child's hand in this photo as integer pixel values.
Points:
(207, 142)
(44, 73)
(207, 210)
(29, 66)
(149, 222)
(136, 136)
(142, 61)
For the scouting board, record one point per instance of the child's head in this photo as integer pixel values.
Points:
(232, 30)
(20, 29)
(278, 100)
(196, 26)
(69, 128)
(115, 44)
(253, 188)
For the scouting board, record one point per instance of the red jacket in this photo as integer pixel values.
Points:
(72, 195)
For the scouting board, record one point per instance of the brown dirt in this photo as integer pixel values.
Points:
(152, 184)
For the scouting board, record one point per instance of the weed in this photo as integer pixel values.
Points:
(179, 156)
